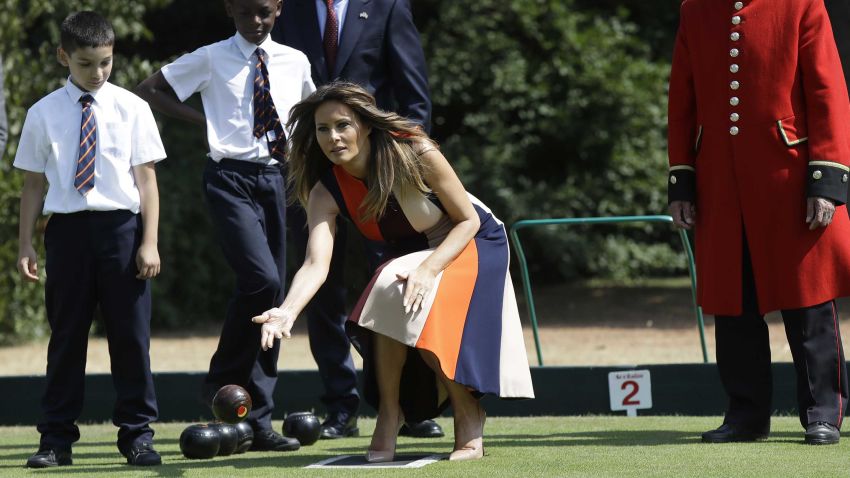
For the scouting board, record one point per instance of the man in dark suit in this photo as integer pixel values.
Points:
(373, 43)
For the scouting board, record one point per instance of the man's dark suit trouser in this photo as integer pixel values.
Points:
(743, 359)
(91, 263)
(247, 204)
(326, 318)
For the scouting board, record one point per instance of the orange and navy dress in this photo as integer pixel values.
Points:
(469, 320)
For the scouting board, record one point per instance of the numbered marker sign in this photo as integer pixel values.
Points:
(630, 390)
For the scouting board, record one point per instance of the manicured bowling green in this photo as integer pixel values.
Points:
(514, 447)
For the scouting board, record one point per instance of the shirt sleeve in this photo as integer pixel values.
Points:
(307, 86)
(147, 145)
(189, 74)
(32, 148)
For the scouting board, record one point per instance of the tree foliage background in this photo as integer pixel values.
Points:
(547, 108)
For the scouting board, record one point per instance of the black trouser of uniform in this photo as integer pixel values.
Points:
(91, 262)
(743, 359)
(247, 202)
(326, 318)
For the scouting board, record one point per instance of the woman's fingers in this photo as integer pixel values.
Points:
(417, 303)
(268, 340)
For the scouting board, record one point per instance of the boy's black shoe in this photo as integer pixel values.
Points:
(822, 433)
(270, 440)
(339, 426)
(143, 454)
(48, 457)
(728, 433)
(423, 429)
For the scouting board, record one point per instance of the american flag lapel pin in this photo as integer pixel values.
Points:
(364, 15)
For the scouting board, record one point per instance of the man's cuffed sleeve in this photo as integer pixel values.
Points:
(681, 184)
(828, 180)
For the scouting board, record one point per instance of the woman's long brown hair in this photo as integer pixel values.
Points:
(396, 144)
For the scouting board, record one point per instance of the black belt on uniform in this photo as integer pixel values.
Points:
(248, 167)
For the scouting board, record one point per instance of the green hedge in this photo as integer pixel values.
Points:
(547, 108)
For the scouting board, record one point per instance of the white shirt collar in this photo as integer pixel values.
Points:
(247, 48)
(75, 92)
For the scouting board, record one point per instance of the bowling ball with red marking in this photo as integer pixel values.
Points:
(302, 425)
(231, 404)
(245, 437)
(199, 442)
(229, 438)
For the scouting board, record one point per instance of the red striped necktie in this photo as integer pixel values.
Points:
(266, 120)
(331, 38)
(84, 175)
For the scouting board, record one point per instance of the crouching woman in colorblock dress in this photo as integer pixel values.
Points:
(438, 322)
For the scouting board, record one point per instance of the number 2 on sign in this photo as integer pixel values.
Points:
(629, 390)
(627, 400)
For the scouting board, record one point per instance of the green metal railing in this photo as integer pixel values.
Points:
(526, 281)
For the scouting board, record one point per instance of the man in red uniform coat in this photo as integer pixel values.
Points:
(759, 147)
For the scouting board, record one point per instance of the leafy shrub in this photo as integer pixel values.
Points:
(546, 110)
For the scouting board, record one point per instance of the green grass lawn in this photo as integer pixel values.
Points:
(514, 447)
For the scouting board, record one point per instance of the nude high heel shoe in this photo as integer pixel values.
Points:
(468, 451)
(384, 456)
(380, 456)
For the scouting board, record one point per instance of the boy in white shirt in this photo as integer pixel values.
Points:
(247, 85)
(92, 146)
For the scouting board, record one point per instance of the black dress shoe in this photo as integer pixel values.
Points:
(423, 429)
(733, 433)
(270, 440)
(48, 457)
(822, 433)
(143, 454)
(337, 426)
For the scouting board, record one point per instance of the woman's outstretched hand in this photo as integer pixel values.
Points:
(276, 323)
(419, 283)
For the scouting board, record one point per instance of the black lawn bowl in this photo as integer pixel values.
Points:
(229, 438)
(302, 425)
(199, 442)
(245, 437)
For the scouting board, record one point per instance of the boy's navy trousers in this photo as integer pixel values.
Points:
(247, 202)
(91, 264)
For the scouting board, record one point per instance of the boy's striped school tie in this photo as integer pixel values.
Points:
(266, 120)
(84, 175)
